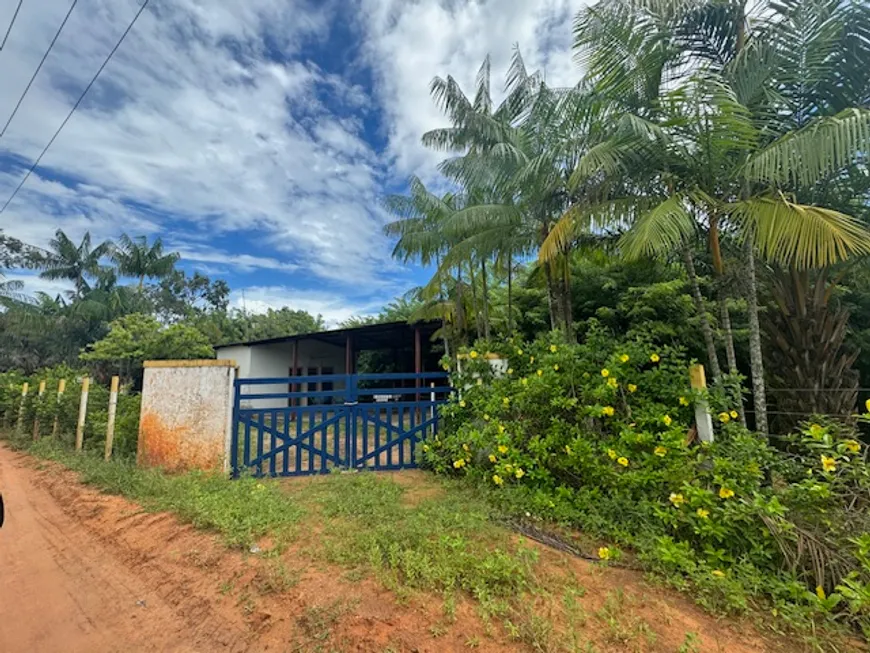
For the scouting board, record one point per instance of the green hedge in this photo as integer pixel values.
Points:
(66, 410)
(595, 435)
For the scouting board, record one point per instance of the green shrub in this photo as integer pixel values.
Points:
(596, 435)
(66, 409)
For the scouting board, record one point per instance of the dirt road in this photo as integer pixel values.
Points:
(82, 571)
(61, 589)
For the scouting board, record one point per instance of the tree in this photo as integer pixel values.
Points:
(135, 338)
(134, 258)
(752, 149)
(76, 263)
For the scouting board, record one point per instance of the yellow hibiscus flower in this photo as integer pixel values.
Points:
(497, 479)
(502, 449)
(604, 553)
(660, 451)
(472, 354)
(622, 460)
(684, 401)
(553, 349)
(492, 457)
(459, 464)
(623, 358)
(612, 382)
(726, 493)
(631, 387)
(852, 446)
(724, 417)
(828, 463)
(734, 414)
(540, 372)
(677, 499)
(703, 514)
(556, 367)
(667, 420)
(612, 454)
(519, 473)
(605, 372)
(655, 358)
(462, 403)
(608, 411)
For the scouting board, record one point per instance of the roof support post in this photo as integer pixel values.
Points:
(418, 358)
(295, 372)
(348, 355)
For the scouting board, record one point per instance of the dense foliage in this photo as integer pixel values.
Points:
(58, 415)
(599, 436)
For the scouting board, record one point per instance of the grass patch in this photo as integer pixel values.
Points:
(443, 543)
(242, 511)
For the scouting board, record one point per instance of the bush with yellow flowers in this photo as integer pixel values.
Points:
(596, 436)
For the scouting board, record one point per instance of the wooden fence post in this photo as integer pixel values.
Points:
(61, 386)
(83, 410)
(24, 389)
(36, 414)
(702, 409)
(110, 424)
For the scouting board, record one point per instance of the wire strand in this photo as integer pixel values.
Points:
(76, 105)
(11, 23)
(39, 67)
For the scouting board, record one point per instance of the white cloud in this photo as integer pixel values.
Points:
(212, 125)
(332, 307)
(223, 260)
(34, 284)
(194, 118)
(409, 43)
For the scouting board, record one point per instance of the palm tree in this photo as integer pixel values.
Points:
(752, 146)
(134, 258)
(420, 216)
(66, 260)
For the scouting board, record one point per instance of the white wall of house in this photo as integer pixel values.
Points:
(239, 353)
(276, 361)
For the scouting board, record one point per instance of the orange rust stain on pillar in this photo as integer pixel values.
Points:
(174, 448)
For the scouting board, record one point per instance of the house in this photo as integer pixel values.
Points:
(388, 347)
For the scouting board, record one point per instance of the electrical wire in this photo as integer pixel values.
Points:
(11, 23)
(76, 105)
(39, 67)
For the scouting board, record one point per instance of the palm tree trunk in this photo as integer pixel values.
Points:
(141, 281)
(755, 353)
(551, 297)
(727, 331)
(510, 320)
(485, 298)
(460, 308)
(566, 300)
(474, 305)
(706, 329)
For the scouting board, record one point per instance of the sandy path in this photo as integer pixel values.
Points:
(63, 590)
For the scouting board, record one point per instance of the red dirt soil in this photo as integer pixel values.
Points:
(83, 571)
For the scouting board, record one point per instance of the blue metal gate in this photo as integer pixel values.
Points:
(294, 426)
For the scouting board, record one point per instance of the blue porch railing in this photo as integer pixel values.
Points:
(292, 426)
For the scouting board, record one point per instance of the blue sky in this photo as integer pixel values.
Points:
(256, 137)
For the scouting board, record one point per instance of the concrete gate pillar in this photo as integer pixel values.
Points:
(186, 416)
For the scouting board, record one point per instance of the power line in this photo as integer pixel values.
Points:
(39, 67)
(76, 105)
(11, 23)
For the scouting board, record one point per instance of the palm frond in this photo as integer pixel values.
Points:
(799, 235)
(808, 155)
(660, 230)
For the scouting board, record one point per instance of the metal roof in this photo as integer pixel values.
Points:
(371, 336)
